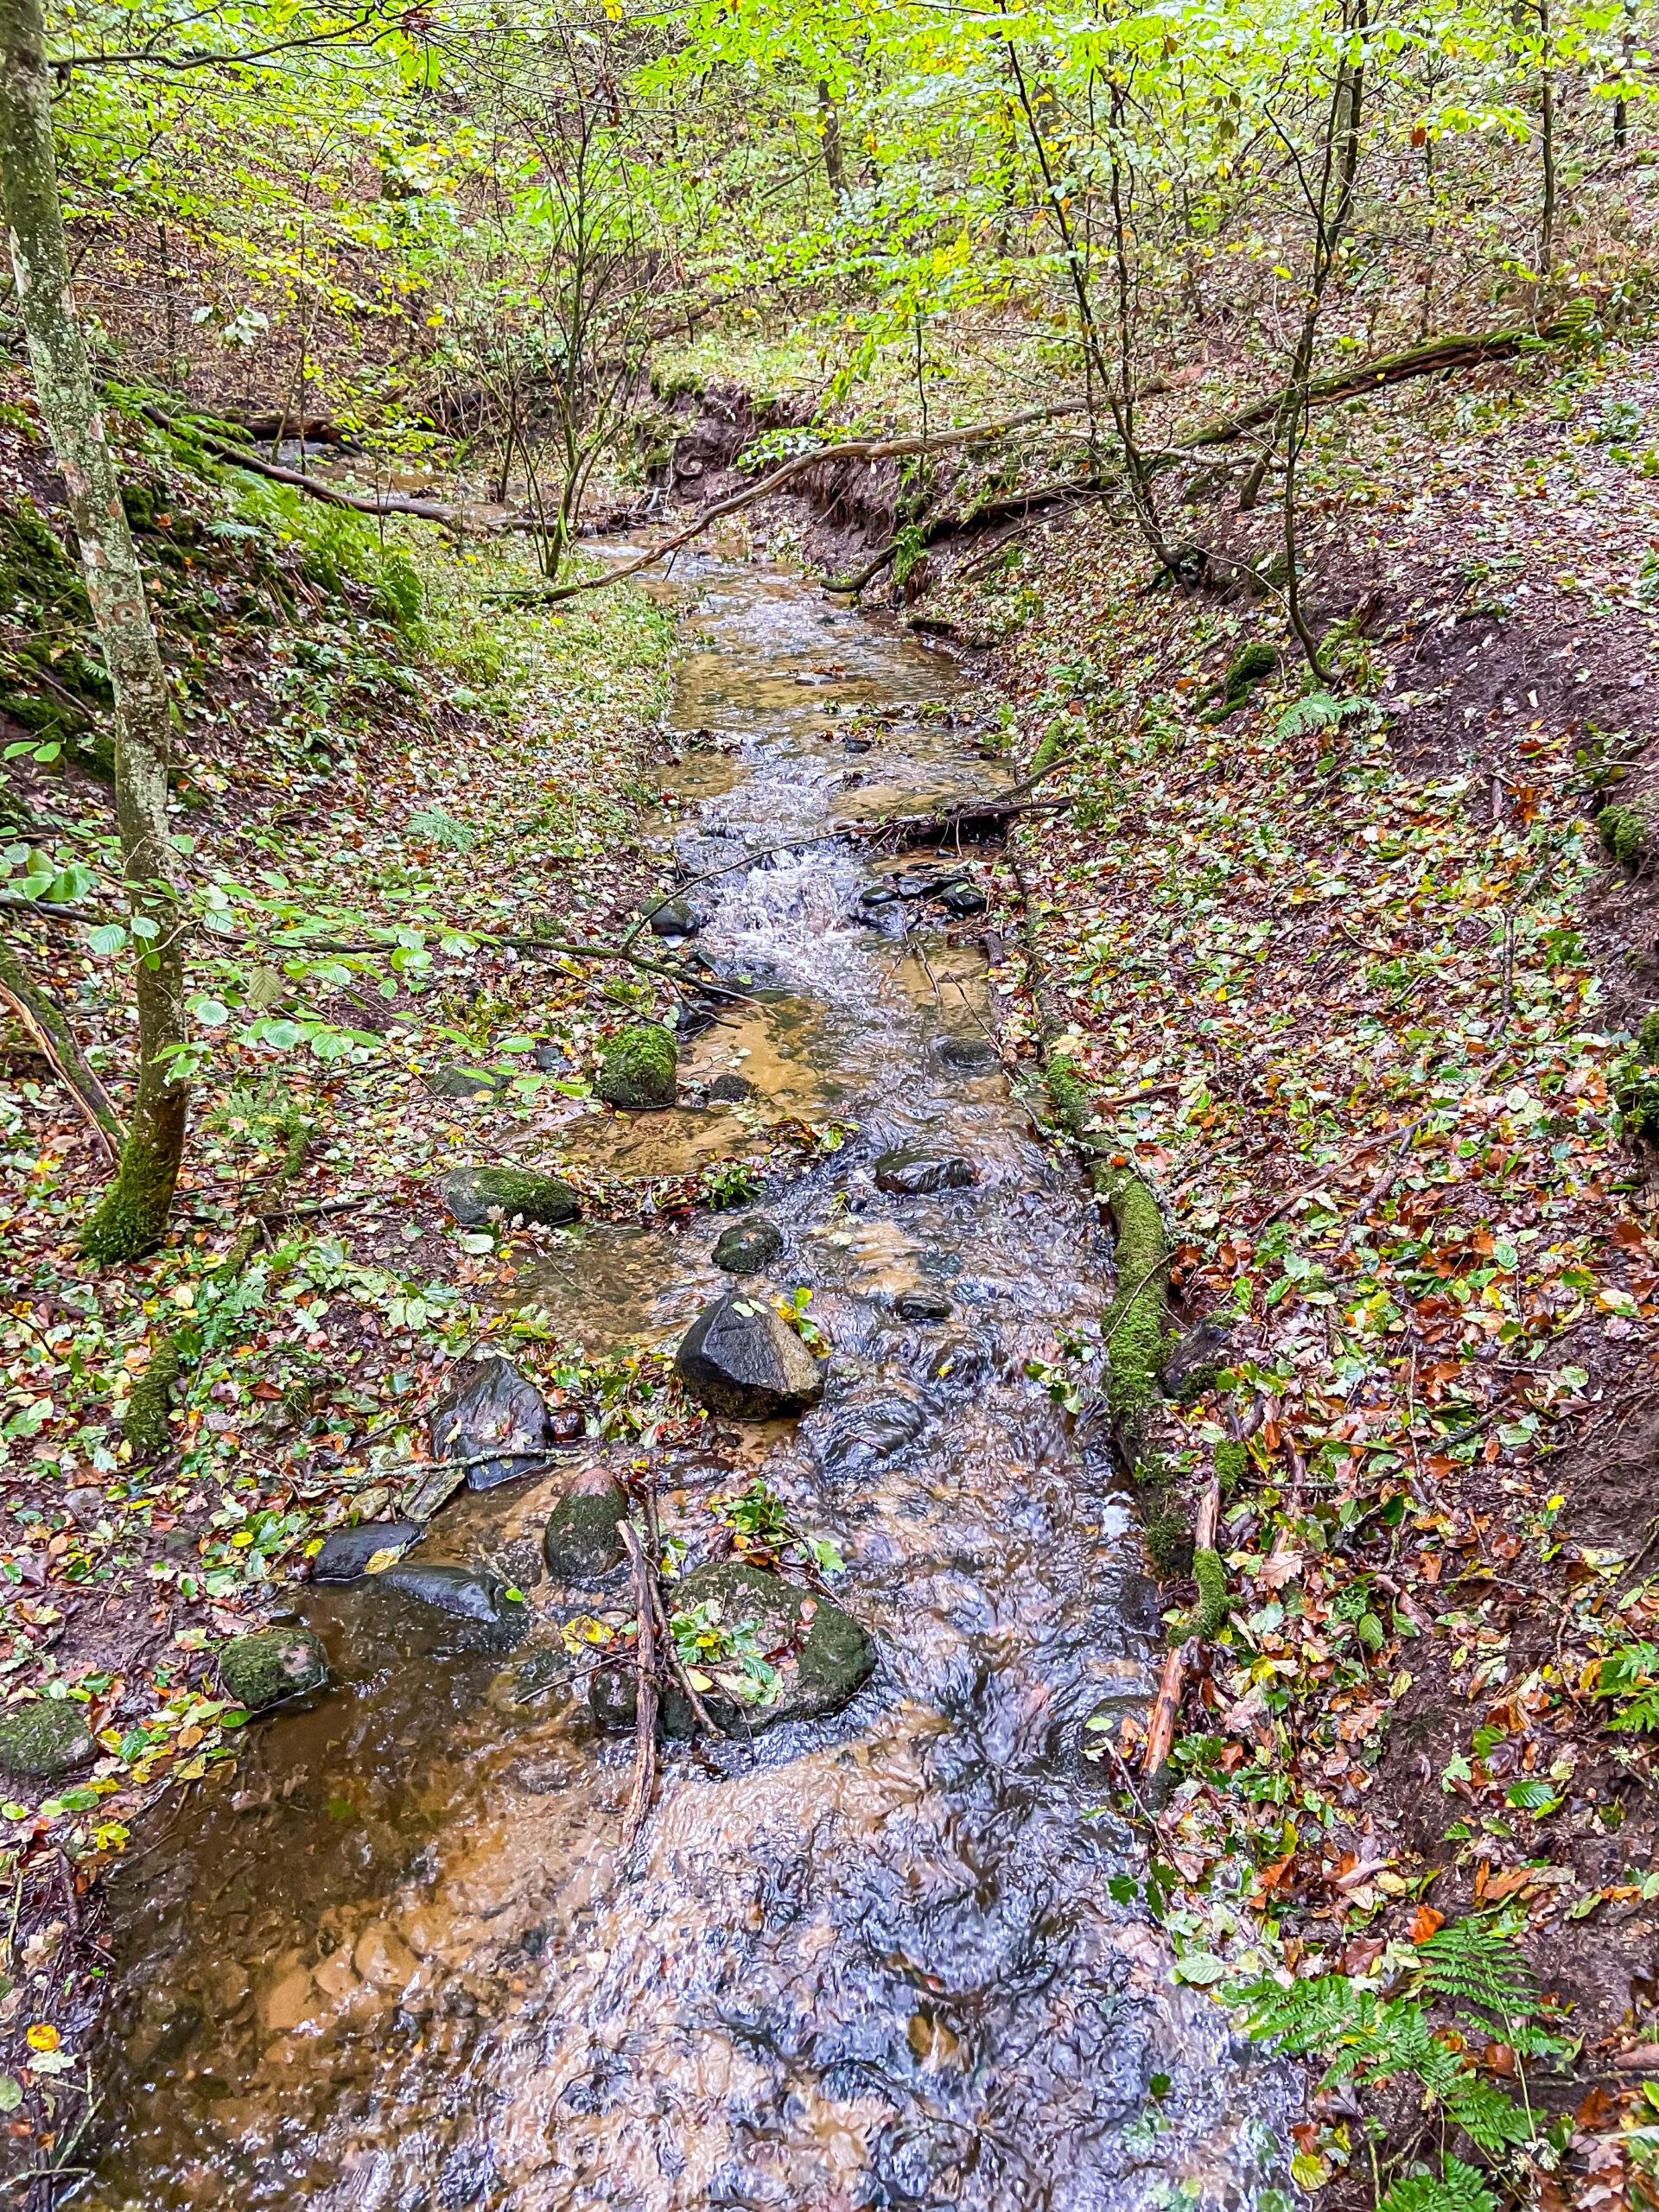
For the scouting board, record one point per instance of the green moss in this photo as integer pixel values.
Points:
(130, 1218)
(1070, 1094)
(1169, 1541)
(144, 1425)
(1637, 1100)
(277, 1663)
(1136, 1319)
(1624, 833)
(638, 1068)
(1245, 670)
(1647, 1038)
(470, 1193)
(1232, 1463)
(48, 1736)
(1214, 1609)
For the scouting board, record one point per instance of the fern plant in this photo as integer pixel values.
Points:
(1630, 1674)
(1460, 2188)
(1363, 2037)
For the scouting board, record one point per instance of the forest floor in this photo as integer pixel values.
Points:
(1358, 984)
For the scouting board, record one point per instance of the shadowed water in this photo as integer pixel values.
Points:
(393, 1962)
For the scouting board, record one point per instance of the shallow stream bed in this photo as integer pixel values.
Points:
(891, 1957)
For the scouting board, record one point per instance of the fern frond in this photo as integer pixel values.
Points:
(1491, 2120)
(1475, 1966)
(1460, 2189)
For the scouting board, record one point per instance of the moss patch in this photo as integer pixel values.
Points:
(471, 1193)
(47, 1737)
(277, 1663)
(637, 1071)
(1244, 671)
(1625, 834)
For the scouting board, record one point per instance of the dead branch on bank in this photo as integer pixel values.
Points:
(56, 1041)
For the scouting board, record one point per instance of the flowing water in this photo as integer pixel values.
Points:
(894, 1958)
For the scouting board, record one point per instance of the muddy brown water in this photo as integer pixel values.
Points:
(893, 1958)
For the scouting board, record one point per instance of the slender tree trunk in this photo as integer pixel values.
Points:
(835, 167)
(1545, 144)
(132, 1213)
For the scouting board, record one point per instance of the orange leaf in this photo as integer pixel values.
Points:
(1424, 1921)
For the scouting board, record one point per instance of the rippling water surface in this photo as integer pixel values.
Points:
(875, 1961)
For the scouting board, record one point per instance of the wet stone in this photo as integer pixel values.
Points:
(972, 1055)
(277, 1663)
(494, 1406)
(470, 1596)
(47, 1737)
(456, 1082)
(346, 1554)
(581, 1542)
(739, 1358)
(87, 1505)
(674, 917)
(729, 1090)
(824, 1655)
(548, 1059)
(962, 899)
(637, 1069)
(472, 1194)
(749, 1246)
(925, 1302)
(909, 1173)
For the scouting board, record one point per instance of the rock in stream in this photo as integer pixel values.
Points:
(739, 1358)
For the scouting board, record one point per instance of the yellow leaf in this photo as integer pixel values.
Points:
(380, 1561)
(42, 2037)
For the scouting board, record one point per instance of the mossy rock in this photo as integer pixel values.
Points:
(581, 1542)
(1245, 670)
(263, 1669)
(47, 1737)
(1169, 1542)
(825, 1655)
(472, 1194)
(1232, 1464)
(637, 1071)
(1625, 834)
(1637, 1100)
(456, 1081)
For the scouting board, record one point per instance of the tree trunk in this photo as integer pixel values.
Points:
(1546, 143)
(835, 168)
(132, 1213)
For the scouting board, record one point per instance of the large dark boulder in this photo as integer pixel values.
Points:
(276, 1663)
(581, 1543)
(749, 1246)
(493, 1406)
(822, 1654)
(472, 1194)
(910, 1172)
(738, 1358)
(636, 1068)
(486, 1617)
(48, 1736)
(346, 1554)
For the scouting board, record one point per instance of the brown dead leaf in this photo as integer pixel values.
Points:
(1424, 1921)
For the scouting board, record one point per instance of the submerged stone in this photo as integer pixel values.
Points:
(962, 899)
(278, 1662)
(911, 1173)
(749, 1246)
(637, 1071)
(738, 1358)
(874, 1422)
(581, 1543)
(46, 1737)
(923, 1302)
(494, 1407)
(472, 1194)
(730, 1090)
(973, 1055)
(822, 1654)
(346, 1554)
(470, 1595)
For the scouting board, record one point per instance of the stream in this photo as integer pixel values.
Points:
(892, 1958)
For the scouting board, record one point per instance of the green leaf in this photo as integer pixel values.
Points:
(1202, 1968)
(1532, 1795)
(108, 937)
(12, 2093)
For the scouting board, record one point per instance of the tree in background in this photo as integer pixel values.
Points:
(132, 1213)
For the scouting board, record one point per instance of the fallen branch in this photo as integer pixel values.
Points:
(333, 495)
(56, 1040)
(1160, 1723)
(984, 819)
